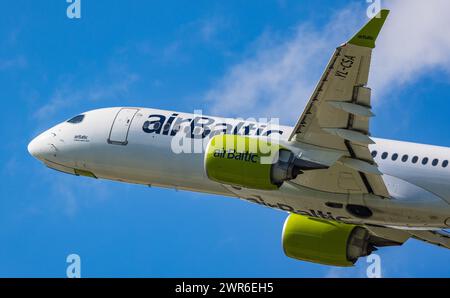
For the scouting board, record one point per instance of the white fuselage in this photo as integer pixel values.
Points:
(119, 144)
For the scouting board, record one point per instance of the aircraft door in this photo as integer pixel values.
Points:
(121, 126)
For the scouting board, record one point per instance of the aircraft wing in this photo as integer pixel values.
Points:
(387, 236)
(439, 238)
(337, 118)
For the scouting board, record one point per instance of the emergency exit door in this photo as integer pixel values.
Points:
(121, 126)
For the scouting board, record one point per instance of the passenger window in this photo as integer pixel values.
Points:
(76, 119)
(425, 160)
(384, 155)
(435, 162)
(445, 163)
(394, 156)
(155, 126)
(374, 154)
(405, 158)
(415, 159)
(166, 127)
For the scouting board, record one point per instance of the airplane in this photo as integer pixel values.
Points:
(346, 194)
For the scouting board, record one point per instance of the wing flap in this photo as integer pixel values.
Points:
(350, 135)
(360, 166)
(439, 238)
(352, 108)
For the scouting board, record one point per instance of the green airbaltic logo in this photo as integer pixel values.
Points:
(232, 154)
(366, 37)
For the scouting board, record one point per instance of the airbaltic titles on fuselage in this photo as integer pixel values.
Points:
(284, 207)
(200, 127)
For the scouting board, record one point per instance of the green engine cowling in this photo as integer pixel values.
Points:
(324, 242)
(248, 162)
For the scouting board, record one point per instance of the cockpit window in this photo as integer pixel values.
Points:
(76, 119)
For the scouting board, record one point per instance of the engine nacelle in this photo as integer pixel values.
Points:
(325, 242)
(249, 162)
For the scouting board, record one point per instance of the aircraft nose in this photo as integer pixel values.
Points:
(40, 148)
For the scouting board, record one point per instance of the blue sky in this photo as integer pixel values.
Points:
(253, 58)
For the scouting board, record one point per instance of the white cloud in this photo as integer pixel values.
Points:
(277, 80)
(413, 43)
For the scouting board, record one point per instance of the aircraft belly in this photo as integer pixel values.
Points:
(398, 211)
(154, 165)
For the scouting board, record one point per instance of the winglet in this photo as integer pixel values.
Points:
(368, 34)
